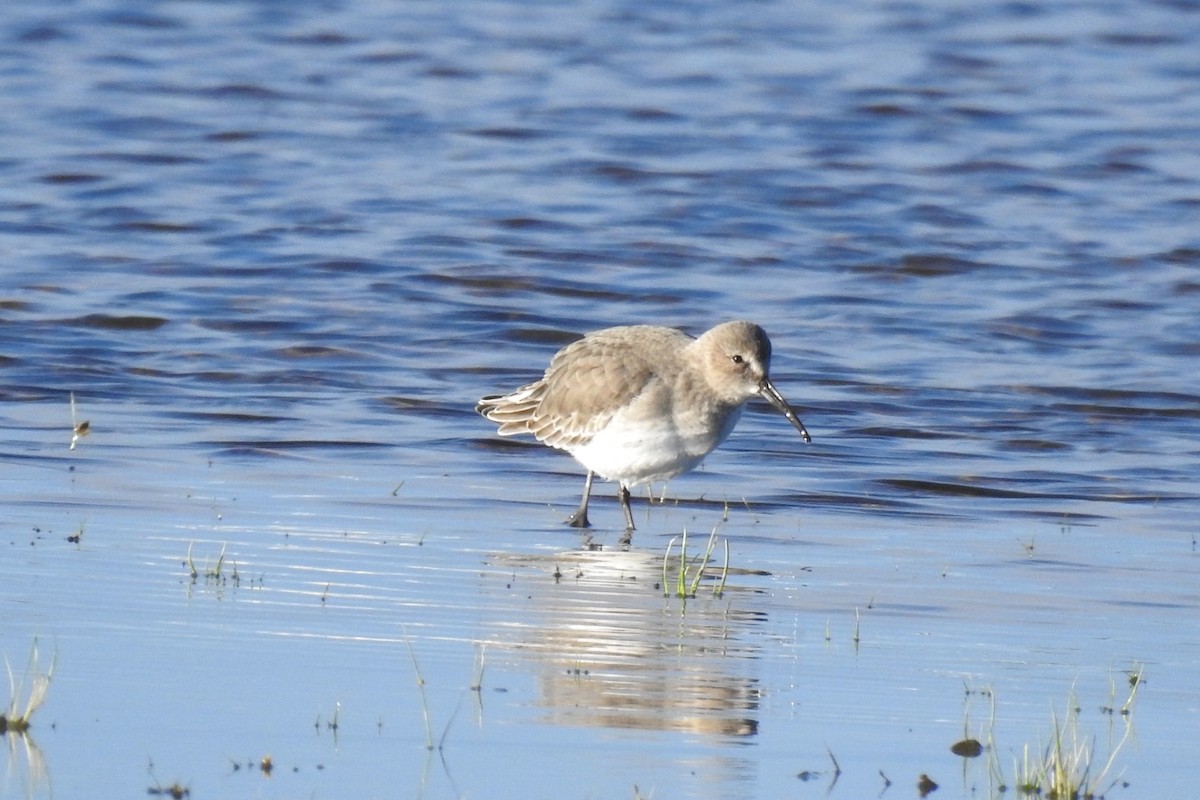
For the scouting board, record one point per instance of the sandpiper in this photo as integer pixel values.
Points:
(642, 403)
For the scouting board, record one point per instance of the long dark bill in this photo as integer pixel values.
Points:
(769, 393)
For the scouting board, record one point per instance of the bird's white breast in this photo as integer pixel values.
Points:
(635, 448)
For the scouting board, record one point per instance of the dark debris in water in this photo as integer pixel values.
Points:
(967, 748)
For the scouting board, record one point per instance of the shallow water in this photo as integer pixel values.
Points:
(277, 252)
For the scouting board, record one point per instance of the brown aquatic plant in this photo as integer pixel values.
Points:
(79, 429)
(176, 791)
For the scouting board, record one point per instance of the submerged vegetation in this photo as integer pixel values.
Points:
(1070, 765)
(222, 573)
(212, 574)
(691, 571)
(22, 703)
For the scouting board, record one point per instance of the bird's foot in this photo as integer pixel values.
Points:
(579, 519)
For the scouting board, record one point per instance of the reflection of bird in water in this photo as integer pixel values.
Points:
(608, 656)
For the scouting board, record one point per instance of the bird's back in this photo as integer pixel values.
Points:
(587, 383)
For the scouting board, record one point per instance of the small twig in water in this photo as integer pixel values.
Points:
(477, 683)
(837, 768)
(333, 723)
(421, 687)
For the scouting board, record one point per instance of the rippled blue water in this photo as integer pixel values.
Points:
(277, 250)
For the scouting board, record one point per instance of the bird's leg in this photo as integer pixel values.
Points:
(579, 518)
(626, 540)
(623, 495)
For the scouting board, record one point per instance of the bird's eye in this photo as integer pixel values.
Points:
(737, 359)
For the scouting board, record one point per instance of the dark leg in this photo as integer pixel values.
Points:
(579, 518)
(623, 494)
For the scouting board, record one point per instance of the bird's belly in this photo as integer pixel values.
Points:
(642, 451)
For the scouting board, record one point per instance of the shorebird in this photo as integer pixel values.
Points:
(642, 403)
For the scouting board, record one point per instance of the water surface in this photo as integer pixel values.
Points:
(277, 251)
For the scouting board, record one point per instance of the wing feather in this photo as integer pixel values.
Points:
(587, 383)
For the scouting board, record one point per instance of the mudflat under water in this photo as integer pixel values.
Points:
(276, 251)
